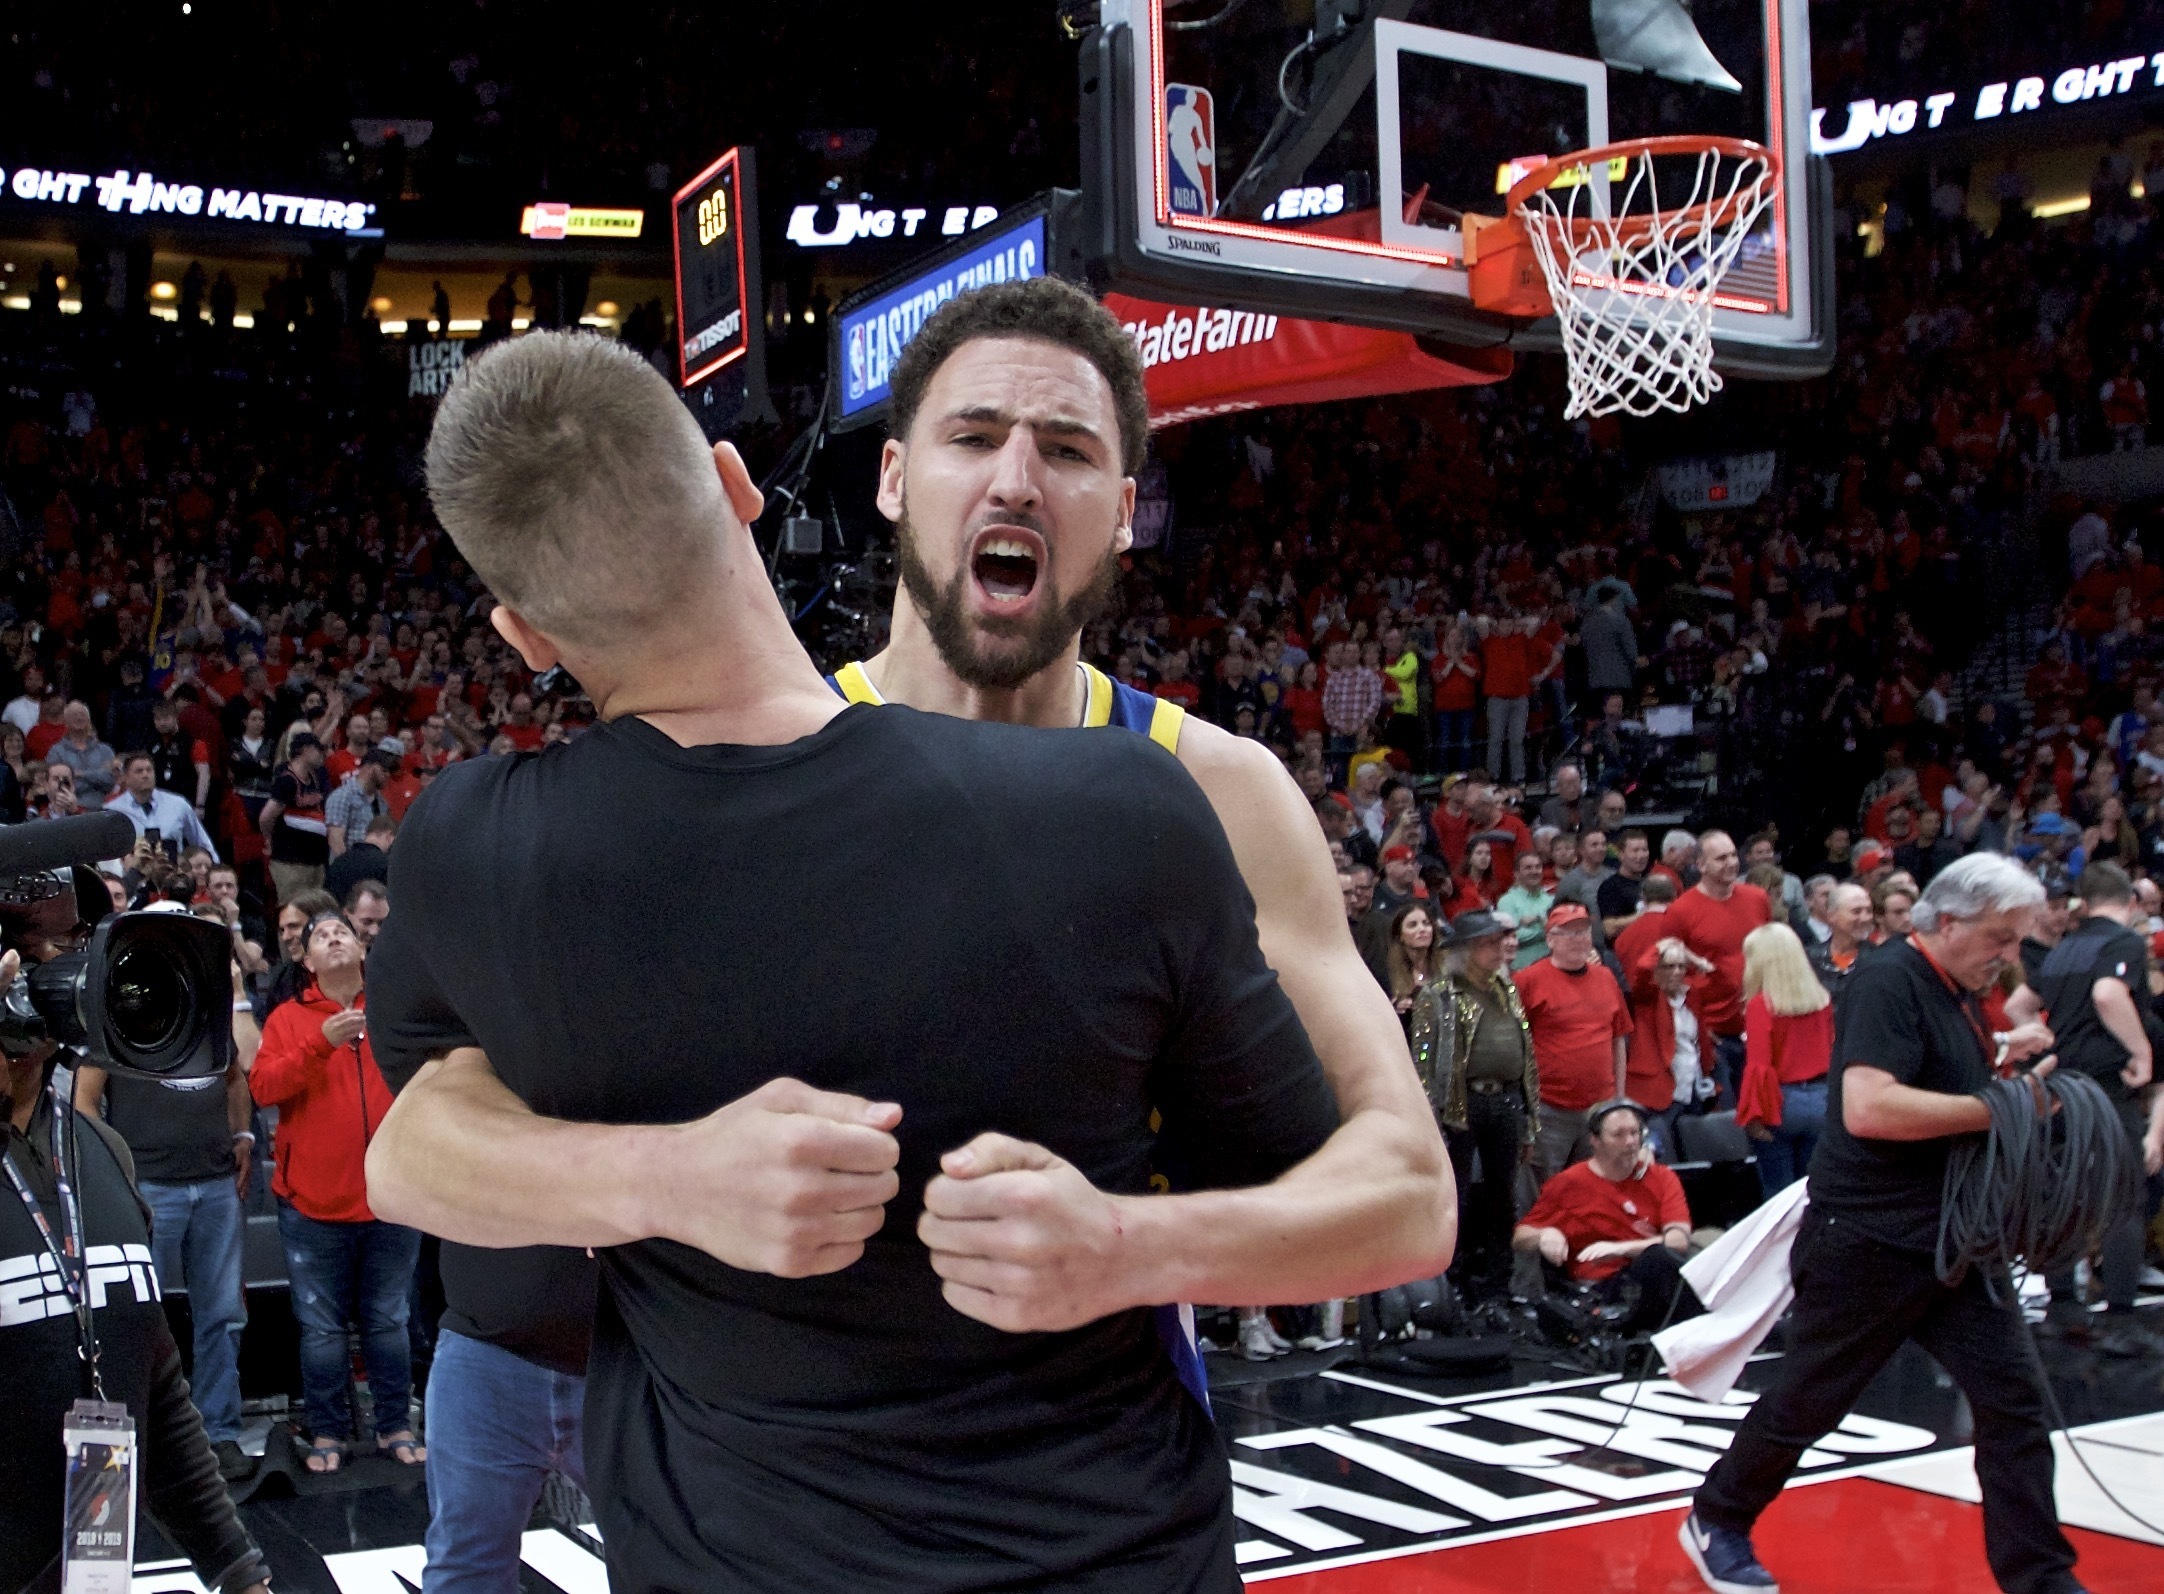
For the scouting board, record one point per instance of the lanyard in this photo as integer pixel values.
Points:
(1965, 1000)
(67, 1249)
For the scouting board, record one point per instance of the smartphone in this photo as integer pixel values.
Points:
(153, 835)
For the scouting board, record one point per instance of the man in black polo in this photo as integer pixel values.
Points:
(1914, 1050)
(2093, 989)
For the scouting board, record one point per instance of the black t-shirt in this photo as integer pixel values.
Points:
(1619, 896)
(1047, 937)
(300, 836)
(2033, 953)
(535, 1301)
(361, 861)
(2096, 949)
(1899, 1015)
(176, 1129)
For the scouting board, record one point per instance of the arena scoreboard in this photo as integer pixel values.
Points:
(713, 287)
(716, 237)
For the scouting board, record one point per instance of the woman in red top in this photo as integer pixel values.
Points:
(1471, 882)
(1457, 687)
(1303, 703)
(316, 1068)
(1788, 1048)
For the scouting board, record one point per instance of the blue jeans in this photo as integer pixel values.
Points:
(1454, 739)
(498, 1425)
(358, 1272)
(1787, 1156)
(195, 1240)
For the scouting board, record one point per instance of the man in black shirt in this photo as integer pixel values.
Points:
(791, 1386)
(1914, 1049)
(2086, 987)
(292, 821)
(41, 1350)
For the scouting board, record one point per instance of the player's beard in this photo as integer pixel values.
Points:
(1037, 642)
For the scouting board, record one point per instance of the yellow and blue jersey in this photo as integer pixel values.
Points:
(1111, 702)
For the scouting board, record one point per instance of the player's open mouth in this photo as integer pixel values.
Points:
(1005, 561)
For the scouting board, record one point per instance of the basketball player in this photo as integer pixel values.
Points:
(1049, 934)
(1011, 508)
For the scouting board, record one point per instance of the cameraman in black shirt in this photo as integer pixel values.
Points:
(2093, 988)
(792, 1386)
(1914, 1050)
(41, 1349)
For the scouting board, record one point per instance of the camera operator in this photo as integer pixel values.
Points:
(193, 1148)
(43, 1343)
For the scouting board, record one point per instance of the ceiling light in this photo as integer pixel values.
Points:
(163, 290)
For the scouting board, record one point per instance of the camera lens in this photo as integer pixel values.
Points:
(147, 1001)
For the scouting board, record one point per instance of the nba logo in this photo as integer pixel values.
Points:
(855, 380)
(1191, 149)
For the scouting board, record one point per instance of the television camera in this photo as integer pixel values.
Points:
(141, 993)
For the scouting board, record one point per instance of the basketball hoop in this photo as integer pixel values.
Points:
(1632, 281)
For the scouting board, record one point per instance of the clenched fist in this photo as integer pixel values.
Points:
(787, 1180)
(1022, 1240)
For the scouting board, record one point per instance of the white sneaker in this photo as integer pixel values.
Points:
(1258, 1343)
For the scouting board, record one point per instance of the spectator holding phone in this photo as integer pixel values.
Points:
(149, 808)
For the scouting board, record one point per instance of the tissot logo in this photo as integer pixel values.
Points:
(1192, 246)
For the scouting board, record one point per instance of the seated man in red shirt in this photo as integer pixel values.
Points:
(1617, 1220)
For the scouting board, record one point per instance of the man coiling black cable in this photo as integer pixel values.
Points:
(1913, 1074)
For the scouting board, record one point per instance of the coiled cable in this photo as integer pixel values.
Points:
(2054, 1172)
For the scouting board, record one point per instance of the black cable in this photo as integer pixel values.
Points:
(2041, 1187)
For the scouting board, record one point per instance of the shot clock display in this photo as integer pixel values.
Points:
(715, 276)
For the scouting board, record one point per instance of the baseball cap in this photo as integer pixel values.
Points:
(1393, 854)
(1566, 913)
(1870, 856)
(1475, 925)
(2049, 824)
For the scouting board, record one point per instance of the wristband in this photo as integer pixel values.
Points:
(245, 1134)
(244, 1007)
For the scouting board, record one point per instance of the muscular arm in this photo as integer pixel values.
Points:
(1377, 1204)
(460, 1156)
(1024, 1242)
(787, 1180)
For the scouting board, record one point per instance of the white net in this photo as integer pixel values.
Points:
(1634, 279)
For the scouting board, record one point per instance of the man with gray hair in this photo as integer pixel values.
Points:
(881, 1275)
(1914, 1051)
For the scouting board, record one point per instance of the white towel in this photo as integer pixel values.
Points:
(1743, 1280)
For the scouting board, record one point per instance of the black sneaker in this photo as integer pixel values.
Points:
(1725, 1559)
(235, 1465)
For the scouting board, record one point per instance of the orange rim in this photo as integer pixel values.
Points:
(1518, 201)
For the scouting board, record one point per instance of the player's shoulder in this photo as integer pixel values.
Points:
(1216, 757)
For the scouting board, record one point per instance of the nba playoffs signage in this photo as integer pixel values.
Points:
(141, 193)
(1836, 133)
(1199, 361)
(872, 333)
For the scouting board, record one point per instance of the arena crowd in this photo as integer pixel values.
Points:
(227, 612)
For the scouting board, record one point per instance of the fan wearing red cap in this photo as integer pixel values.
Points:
(1575, 1012)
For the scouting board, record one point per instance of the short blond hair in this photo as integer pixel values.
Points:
(576, 485)
(1773, 962)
